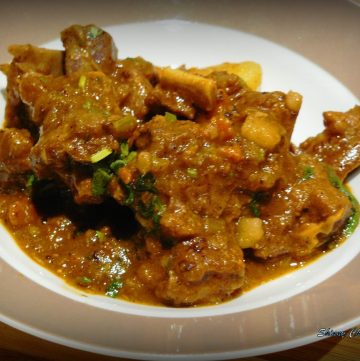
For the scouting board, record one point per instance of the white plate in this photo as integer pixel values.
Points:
(282, 314)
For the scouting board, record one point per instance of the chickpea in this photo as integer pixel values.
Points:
(249, 231)
(293, 101)
(261, 129)
(144, 162)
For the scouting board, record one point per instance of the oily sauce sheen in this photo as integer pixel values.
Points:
(173, 187)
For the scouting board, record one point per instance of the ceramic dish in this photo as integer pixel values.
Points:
(281, 314)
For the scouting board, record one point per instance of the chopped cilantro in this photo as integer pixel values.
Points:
(130, 195)
(94, 32)
(354, 218)
(114, 288)
(308, 173)
(254, 208)
(100, 181)
(145, 183)
(83, 281)
(152, 208)
(254, 205)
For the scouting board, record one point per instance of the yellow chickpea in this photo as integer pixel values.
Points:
(293, 101)
(249, 231)
(261, 129)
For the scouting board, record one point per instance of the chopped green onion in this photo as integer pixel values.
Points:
(170, 117)
(100, 155)
(117, 164)
(192, 172)
(100, 181)
(31, 181)
(125, 124)
(82, 82)
(308, 173)
(100, 235)
(94, 32)
(86, 280)
(132, 155)
(124, 150)
(125, 157)
(113, 289)
(261, 154)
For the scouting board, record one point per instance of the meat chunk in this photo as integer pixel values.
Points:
(15, 147)
(88, 48)
(303, 212)
(198, 273)
(133, 79)
(27, 59)
(339, 144)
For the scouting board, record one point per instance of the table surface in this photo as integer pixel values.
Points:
(259, 17)
(18, 346)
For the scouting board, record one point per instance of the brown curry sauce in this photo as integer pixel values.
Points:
(165, 186)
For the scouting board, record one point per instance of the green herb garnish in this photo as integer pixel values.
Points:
(100, 235)
(31, 181)
(153, 209)
(308, 173)
(82, 82)
(100, 180)
(83, 281)
(114, 288)
(130, 194)
(94, 32)
(192, 172)
(100, 155)
(254, 205)
(354, 218)
(126, 157)
(145, 183)
(170, 117)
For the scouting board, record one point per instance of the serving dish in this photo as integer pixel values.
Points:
(229, 328)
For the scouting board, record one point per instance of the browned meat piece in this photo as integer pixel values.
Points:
(15, 147)
(173, 102)
(88, 48)
(197, 272)
(339, 144)
(73, 130)
(133, 79)
(27, 58)
(303, 213)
